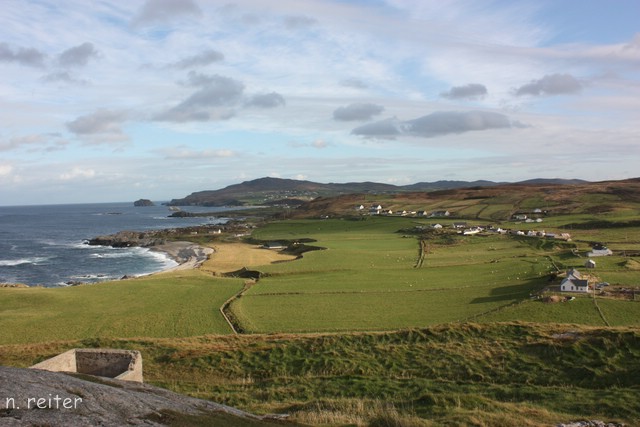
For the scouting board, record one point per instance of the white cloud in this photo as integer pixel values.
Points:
(185, 153)
(77, 173)
(5, 170)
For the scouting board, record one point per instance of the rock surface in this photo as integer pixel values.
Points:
(126, 239)
(30, 397)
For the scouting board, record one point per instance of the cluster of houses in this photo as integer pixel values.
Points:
(464, 229)
(379, 210)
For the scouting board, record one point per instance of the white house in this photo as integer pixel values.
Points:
(375, 209)
(574, 282)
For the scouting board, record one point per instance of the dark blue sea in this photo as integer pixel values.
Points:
(45, 245)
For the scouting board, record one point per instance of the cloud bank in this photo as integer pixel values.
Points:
(357, 111)
(267, 100)
(470, 91)
(551, 84)
(29, 57)
(215, 91)
(202, 59)
(165, 11)
(77, 56)
(437, 124)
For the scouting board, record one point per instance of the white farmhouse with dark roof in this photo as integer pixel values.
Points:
(574, 282)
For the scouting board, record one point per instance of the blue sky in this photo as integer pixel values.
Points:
(113, 101)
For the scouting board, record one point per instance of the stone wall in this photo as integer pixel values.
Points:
(119, 364)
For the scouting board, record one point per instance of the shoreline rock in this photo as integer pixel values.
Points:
(13, 285)
(186, 254)
(127, 239)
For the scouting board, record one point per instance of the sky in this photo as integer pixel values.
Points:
(107, 100)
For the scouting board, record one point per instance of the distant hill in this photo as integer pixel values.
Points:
(495, 202)
(269, 190)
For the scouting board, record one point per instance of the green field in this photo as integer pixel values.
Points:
(176, 304)
(370, 275)
(366, 278)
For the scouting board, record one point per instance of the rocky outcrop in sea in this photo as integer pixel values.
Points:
(143, 202)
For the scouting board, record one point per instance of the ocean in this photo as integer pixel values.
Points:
(46, 245)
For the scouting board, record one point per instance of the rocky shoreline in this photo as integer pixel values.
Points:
(186, 254)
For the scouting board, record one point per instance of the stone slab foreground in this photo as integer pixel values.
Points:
(102, 362)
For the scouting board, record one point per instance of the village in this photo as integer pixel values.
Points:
(467, 229)
(573, 282)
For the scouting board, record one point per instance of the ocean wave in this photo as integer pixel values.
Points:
(110, 253)
(97, 276)
(79, 245)
(161, 257)
(21, 261)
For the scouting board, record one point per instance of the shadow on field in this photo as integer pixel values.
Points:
(511, 292)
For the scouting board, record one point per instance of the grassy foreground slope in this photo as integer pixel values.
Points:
(177, 304)
(506, 374)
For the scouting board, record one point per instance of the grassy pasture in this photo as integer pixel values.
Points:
(174, 304)
(366, 278)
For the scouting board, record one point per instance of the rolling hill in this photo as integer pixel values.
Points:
(267, 190)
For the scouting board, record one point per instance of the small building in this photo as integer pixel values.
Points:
(123, 365)
(360, 207)
(274, 245)
(440, 213)
(436, 226)
(375, 209)
(590, 264)
(599, 250)
(574, 282)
